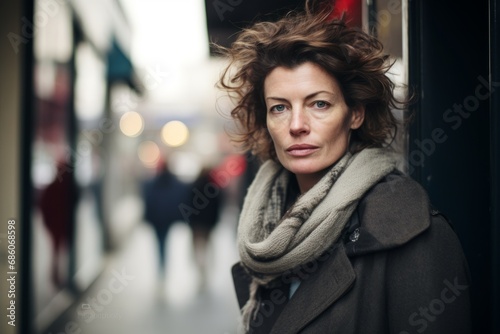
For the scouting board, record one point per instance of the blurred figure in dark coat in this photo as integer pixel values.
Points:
(57, 203)
(162, 196)
(207, 195)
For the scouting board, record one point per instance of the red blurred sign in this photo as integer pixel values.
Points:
(352, 10)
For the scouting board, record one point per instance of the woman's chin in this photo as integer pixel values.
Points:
(305, 169)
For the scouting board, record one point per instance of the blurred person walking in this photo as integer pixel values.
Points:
(203, 221)
(162, 196)
(56, 204)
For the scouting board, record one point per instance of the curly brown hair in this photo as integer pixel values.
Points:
(353, 57)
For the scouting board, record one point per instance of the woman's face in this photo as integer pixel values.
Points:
(308, 120)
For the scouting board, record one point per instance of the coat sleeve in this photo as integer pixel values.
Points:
(428, 284)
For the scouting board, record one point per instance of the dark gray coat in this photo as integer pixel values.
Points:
(399, 269)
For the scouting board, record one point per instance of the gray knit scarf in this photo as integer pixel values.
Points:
(272, 242)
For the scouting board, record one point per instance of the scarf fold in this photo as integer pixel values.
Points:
(272, 242)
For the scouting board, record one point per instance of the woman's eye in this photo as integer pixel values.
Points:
(278, 108)
(321, 104)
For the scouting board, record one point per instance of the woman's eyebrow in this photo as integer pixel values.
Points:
(307, 97)
(317, 93)
(276, 98)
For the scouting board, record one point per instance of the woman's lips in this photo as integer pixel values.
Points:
(301, 150)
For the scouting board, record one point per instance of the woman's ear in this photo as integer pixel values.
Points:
(357, 117)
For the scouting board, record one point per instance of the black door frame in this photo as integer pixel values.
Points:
(454, 144)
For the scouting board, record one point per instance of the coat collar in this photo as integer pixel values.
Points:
(324, 281)
(391, 214)
(334, 276)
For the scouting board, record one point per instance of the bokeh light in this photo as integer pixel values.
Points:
(175, 133)
(131, 124)
(149, 153)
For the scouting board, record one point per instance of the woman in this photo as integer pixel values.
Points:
(332, 237)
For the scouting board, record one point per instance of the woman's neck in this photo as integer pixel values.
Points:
(307, 181)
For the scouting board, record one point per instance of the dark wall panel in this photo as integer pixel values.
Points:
(449, 147)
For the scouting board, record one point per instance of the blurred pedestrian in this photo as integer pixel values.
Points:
(162, 196)
(56, 204)
(204, 219)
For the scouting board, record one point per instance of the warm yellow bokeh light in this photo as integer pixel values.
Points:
(149, 153)
(131, 124)
(174, 133)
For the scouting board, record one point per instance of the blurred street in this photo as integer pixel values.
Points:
(178, 304)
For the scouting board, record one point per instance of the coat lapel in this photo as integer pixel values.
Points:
(333, 276)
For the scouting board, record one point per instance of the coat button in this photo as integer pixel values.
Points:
(355, 235)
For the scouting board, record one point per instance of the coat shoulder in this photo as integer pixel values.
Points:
(393, 212)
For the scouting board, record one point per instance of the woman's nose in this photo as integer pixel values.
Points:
(299, 123)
